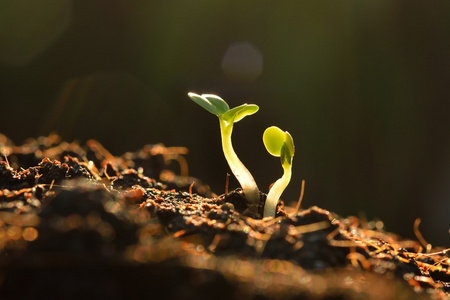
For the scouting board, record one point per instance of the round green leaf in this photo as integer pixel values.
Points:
(273, 139)
(279, 143)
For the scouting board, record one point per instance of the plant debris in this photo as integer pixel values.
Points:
(76, 221)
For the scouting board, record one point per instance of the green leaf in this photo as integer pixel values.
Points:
(289, 141)
(239, 112)
(273, 139)
(218, 102)
(205, 103)
(246, 110)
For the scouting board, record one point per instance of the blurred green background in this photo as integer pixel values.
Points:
(362, 86)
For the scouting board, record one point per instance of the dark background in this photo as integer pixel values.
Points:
(362, 86)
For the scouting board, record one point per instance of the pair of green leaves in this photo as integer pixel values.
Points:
(279, 143)
(217, 106)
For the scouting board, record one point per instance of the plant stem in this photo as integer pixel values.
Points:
(241, 173)
(276, 191)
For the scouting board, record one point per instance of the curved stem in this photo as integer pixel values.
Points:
(276, 191)
(241, 173)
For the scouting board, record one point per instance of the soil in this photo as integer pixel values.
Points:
(77, 222)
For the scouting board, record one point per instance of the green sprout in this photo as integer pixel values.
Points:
(278, 143)
(227, 117)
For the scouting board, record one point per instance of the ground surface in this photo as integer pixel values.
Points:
(77, 222)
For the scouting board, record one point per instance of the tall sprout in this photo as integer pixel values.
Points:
(227, 117)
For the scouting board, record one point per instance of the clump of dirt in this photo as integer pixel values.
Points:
(76, 221)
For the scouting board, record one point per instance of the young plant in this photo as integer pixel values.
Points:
(227, 117)
(278, 143)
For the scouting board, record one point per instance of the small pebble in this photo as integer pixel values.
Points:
(227, 206)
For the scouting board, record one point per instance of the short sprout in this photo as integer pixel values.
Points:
(278, 143)
(227, 117)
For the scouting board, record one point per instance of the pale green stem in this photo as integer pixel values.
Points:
(276, 191)
(241, 173)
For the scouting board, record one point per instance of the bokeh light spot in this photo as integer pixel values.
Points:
(30, 234)
(14, 232)
(242, 61)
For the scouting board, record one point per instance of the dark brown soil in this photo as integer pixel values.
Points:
(77, 222)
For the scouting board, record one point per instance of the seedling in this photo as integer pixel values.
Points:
(278, 143)
(227, 117)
